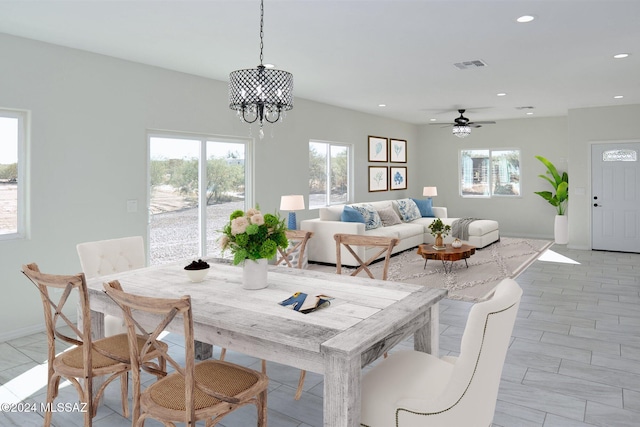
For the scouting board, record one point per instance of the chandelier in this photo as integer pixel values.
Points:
(461, 131)
(261, 94)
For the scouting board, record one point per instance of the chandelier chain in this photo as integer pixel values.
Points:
(261, 29)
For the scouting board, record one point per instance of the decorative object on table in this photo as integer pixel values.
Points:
(378, 149)
(378, 176)
(261, 93)
(306, 303)
(398, 178)
(254, 238)
(398, 150)
(559, 200)
(457, 243)
(439, 230)
(292, 203)
(197, 270)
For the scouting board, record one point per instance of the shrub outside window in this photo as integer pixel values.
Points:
(490, 173)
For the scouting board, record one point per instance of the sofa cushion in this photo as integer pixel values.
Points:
(408, 210)
(370, 215)
(425, 206)
(350, 214)
(383, 232)
(331, 213)
(405, 231)
(389, 217)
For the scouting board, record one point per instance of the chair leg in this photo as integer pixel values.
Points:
(264, 366)
(52, 392)
(124, 389)
(223, 352)
(300, 384)
(262, 409)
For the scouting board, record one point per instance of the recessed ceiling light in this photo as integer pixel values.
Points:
(382, 105)
(432, 120)
(621, 55)
(618, 97)
(525, 18)
(529, 113)
(501, 94)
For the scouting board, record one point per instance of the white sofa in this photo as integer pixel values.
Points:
(322, 247)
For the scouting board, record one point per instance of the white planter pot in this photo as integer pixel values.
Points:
(561, 229)
(254, 274)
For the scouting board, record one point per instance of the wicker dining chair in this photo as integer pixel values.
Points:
(90, 358)
(207, 390)
(386, 245)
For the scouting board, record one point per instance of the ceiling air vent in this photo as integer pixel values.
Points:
(478, 63)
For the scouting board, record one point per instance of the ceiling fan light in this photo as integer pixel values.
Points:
(461, 131)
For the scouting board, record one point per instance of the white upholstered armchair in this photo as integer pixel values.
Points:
(411, 389)
(108, 257)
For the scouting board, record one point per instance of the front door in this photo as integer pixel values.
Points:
(615, 193)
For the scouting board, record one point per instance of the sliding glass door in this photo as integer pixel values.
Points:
(195, 184)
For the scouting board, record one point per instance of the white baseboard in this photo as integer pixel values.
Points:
(22, 332)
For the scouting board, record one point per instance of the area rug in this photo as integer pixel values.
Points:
(487, 267)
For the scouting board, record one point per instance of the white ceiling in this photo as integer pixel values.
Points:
(360, 53)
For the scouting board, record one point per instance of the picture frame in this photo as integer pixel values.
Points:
(397, 150)
(398, 177)
(378, 178)
(378, 149)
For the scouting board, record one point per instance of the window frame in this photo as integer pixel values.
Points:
(203, 139)
(22, 210)
(490, 175)
(350, 168)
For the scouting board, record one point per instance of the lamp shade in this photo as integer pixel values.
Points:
(292, 203)
(430, 191)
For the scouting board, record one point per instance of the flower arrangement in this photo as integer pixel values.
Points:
(437, 227)
(252, 235)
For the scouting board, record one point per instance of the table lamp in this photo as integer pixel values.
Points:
(430, 191)
(292, 203)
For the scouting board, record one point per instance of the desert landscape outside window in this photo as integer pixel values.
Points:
(12, 131)
(195, 185)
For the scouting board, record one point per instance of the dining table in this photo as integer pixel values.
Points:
(364, 319)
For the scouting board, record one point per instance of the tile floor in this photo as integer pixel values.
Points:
(574, 360)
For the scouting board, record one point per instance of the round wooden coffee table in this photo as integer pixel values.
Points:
(449, 253)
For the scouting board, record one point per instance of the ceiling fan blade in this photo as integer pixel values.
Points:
(483, 123)
(442, 124)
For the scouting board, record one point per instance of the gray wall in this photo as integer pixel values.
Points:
(526, 216)
(88, 156)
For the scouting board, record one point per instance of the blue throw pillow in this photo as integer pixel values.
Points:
(351, 215)
(425, 206)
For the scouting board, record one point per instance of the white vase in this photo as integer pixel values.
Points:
(561, 229)
(254, 274)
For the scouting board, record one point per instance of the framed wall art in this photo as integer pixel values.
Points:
(378, 149)
(398, 179)
(398, 150)
(378, 177)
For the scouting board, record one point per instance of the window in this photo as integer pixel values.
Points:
(12, 146)
(329, 173)
(488, 173)
(190, 200)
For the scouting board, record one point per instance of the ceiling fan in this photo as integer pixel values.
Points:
(462, 126)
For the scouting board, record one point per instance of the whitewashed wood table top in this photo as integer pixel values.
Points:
(222, 305)
(366, 318)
